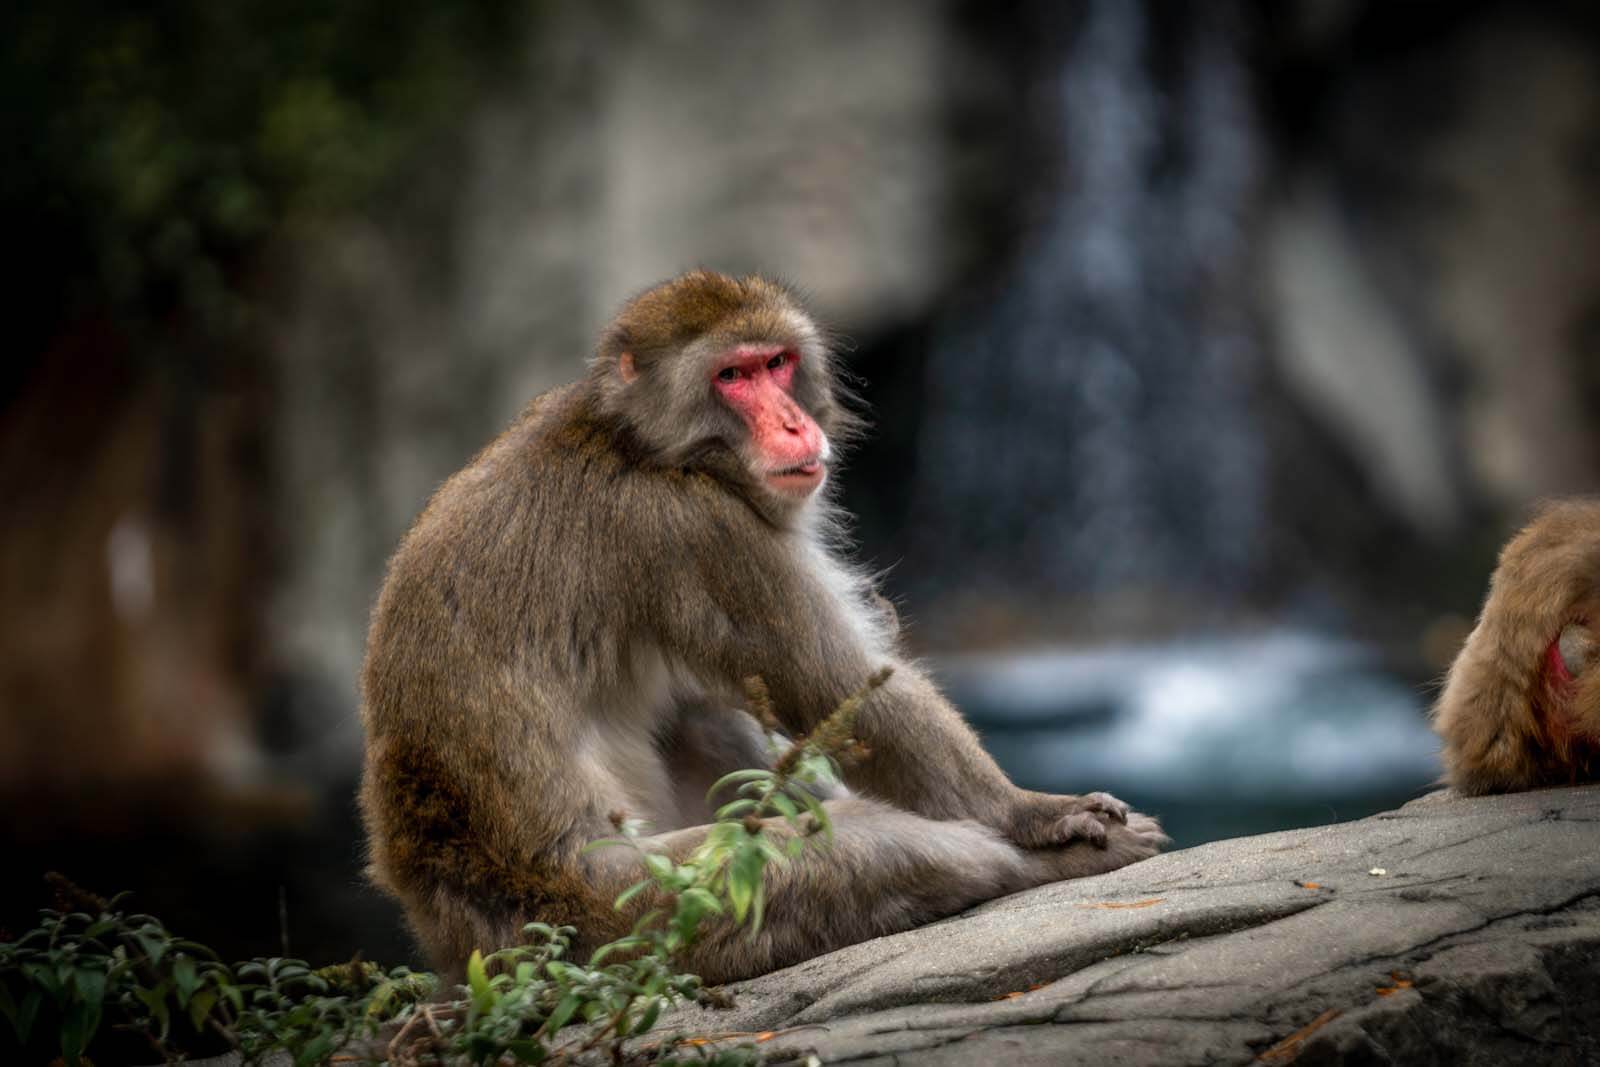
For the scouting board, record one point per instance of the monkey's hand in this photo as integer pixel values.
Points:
(1045, 820)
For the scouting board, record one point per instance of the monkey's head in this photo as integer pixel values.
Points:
(728, 375)
(1549, 577)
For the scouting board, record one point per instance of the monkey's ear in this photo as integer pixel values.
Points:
(626, 369)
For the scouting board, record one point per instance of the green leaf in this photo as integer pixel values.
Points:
(235, 996)
(659, 866)
(621, 1022)
(183, 973)
(746, 869)
(735, 809)
(478, 983)
(155, 1002)
(91, 983)
(27, 1013)
(758, 909)
(647, 1019)
(317, 1050)
(751, 775)
(632, 891)
(739, 893)
(196, 949)
(721, 835)
(74, 1032)
(619, 945)
(818, 812)
(154, 947)
(44, 978)
(706, 899)
(200, 1006)
(785, 806)
(644, 921)
(567, 1007)
(603, 842)
(770, 849)
(527, 1050)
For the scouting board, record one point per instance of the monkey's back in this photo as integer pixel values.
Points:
(486, 637)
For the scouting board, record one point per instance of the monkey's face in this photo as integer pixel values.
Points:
(787, 451)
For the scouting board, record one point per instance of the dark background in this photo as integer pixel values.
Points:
(1212, 350)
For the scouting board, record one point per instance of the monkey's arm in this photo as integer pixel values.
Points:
(765, 610)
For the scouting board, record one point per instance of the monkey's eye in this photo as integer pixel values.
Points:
(728, 374)
(777, 361)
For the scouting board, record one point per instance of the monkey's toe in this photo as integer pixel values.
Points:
(1148, 830)
(1082, 826)
(1104, 804)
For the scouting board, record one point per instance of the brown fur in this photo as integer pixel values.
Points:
(559, 629)
(1508, 722)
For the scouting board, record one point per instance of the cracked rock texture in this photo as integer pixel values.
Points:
(1452, 931)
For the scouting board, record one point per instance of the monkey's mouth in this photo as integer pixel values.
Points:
(800, 478)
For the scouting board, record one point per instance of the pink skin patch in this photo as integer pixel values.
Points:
(756, 381)
(1558, 685)
(1556, 665)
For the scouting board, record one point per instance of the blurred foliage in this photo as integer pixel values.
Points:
(156, 148)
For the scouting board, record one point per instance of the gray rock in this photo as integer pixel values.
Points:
(1454, 931)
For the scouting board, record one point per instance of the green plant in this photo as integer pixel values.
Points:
(525, 1004)
(77, 964)
(313, 1014)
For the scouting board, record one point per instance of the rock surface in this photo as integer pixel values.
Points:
(1454, 930)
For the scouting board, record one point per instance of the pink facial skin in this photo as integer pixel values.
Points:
(755, 381)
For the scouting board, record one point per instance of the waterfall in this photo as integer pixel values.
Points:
(1093, 426)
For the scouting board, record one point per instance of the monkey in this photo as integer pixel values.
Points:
(1520, 707)
(563, 632)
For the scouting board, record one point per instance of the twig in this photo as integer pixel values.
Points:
(394, 1048)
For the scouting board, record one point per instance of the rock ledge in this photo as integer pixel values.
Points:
(1454, 930)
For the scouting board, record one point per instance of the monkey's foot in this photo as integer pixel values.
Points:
(1103, 804)
(1116, 845)
(1046, 820)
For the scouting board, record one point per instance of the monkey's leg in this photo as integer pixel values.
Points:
(885, 870)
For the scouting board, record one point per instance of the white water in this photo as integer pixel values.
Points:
(1272, 717)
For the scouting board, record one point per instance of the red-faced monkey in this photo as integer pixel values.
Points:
(1521, 707)
(564, 631)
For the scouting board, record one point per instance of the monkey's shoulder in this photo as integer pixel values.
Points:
(562, 483)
